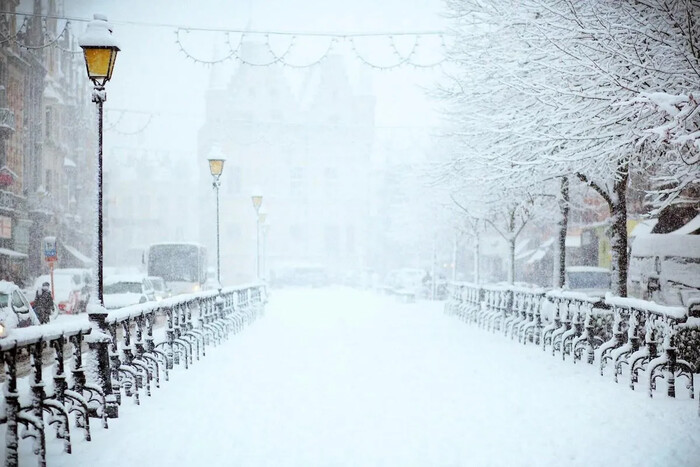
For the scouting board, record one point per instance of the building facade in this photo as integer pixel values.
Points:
(47, 141)
(306, 150)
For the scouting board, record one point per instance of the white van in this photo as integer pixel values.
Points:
(665, 268)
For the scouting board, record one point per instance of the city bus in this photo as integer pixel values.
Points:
(183, 265)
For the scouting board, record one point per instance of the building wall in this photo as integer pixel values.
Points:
(308, 152)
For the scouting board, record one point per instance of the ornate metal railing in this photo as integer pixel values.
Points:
(142, 342)
(632, 336)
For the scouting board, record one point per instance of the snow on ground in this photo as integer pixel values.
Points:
(334, 377)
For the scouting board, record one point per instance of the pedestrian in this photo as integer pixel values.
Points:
(43, 303)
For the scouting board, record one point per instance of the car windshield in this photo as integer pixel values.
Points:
(122, 287)
(589, 280)
(158, 284)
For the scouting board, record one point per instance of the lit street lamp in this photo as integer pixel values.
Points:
(262, 218)
(216, 167)
(100, 49)
(257, 199)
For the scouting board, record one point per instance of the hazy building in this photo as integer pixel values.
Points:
(308, 152)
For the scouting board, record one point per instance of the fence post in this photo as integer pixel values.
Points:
(99, 343)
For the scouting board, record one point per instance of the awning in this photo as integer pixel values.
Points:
(77, 255)
(12, 253)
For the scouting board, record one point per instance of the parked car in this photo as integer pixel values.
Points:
(160, 288)
(665, 267)
(409, 283)
(127, 289)
(15, 309)
(71, 289)
(591, 280)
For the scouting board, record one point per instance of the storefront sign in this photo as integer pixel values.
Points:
(50, 249)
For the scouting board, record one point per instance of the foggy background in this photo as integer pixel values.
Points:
(160, 129)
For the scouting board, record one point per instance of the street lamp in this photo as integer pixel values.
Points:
(100, 49)
(257, 199)
(216, 167)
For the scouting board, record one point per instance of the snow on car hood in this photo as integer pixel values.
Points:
(120, 300)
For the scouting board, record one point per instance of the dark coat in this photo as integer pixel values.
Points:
(43, 306)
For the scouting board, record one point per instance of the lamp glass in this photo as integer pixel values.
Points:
(100, 62)
(257, 201)
(216, 166)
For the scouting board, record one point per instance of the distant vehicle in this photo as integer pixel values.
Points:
(126, 289)
(212, 283)
(407, 282)
(665, 268)
(15, 310)
(591, 280)
(71, 289)
(301, 275)
(160, 288)
(182, 265)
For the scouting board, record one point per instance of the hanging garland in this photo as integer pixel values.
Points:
(408, 59)
(113, 126)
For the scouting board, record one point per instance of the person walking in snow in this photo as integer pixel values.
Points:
(43, 303)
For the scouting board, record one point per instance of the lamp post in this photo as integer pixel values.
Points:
(262, 218)
(216, 167)
(265, 230)
(100, 49)
(257, 199)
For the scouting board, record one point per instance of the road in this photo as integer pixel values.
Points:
(336, 377)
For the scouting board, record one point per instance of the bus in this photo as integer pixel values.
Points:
(182, 265)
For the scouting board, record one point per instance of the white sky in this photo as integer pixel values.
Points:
(151, 74)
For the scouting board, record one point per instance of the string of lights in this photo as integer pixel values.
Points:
(261, 36)
(122, 113)
(48, 40)
(20, 31)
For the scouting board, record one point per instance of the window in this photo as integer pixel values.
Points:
(49, 121)
(17, 302)
(47, 184)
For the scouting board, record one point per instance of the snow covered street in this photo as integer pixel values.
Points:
(334, 376)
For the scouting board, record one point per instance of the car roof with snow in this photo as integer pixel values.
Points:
(7, 287)
(586, 269)
(124, 278)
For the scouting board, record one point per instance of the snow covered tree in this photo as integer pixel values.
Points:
(547, 89)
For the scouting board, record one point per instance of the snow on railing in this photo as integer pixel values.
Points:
(116, 354)
(663, 342)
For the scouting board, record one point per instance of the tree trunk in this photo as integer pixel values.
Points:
(618, 231)
(560, 250)
(511, 266)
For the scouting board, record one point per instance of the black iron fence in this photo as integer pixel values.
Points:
(626, 337)
(55, 376)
